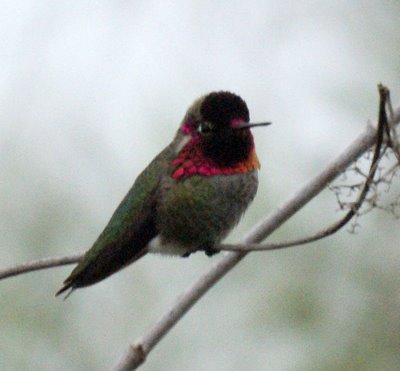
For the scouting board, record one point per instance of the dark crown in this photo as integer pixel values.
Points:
(221, 107)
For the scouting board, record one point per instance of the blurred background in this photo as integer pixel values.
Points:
(91, 91)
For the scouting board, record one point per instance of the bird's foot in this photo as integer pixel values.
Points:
(210, 251)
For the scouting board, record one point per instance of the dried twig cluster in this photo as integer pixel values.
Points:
(387, 170)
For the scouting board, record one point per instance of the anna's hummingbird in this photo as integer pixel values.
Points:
(189, 197)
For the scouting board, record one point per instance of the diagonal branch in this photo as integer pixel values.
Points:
(136, 354)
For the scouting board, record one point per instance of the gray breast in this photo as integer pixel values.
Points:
(199, 211)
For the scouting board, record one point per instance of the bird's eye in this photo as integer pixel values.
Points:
(205, 127)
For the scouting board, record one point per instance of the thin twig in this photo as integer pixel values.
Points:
(132, 359)
(39, 264)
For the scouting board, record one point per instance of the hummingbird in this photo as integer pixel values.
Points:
(188, 198)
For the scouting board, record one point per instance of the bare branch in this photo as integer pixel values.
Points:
(133, 358)
(39, 264)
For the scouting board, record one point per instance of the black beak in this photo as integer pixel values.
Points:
(247, 125)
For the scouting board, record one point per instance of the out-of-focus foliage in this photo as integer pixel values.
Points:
(91, 91)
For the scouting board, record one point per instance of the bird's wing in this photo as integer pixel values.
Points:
(129, 230)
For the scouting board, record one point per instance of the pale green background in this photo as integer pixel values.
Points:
(90, 91)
